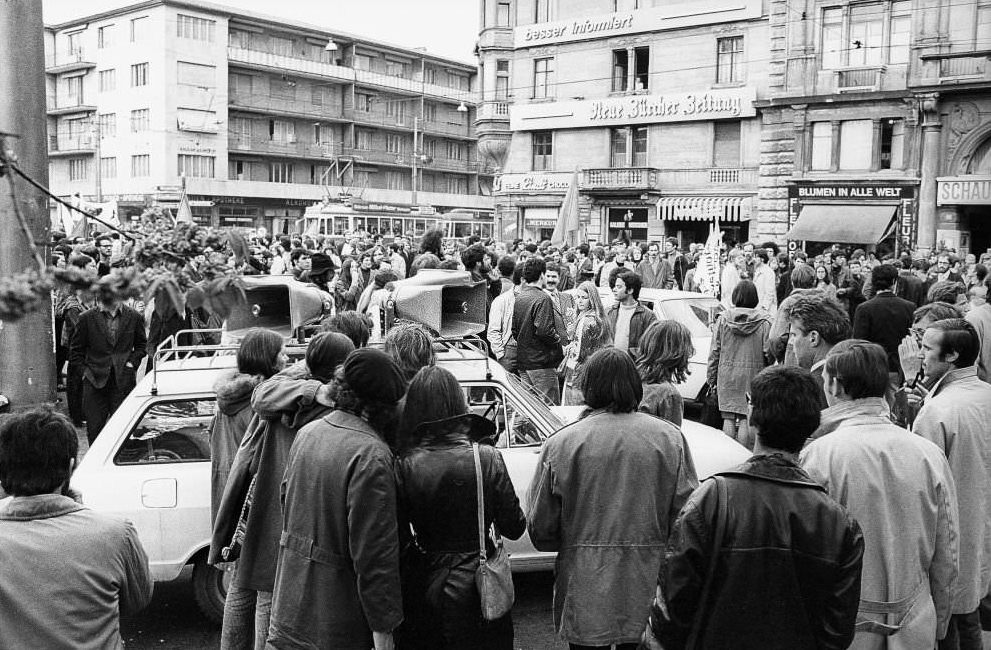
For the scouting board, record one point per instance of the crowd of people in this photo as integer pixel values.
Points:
(344, 492)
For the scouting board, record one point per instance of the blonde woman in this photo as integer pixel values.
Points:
(592, 332)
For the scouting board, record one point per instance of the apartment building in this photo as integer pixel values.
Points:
(878, 123)
(649, 106)
(258, 116)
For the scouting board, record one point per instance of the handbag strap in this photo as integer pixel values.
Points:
(722, 514)
(481, 502)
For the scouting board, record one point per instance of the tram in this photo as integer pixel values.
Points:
(338, 218)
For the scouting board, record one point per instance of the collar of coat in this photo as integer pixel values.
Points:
(41, 506)
(952, 377)
(869, 410)
(775, 468)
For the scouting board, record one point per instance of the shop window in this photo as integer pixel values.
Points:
(892, 144)
(822, 146)
(237, 217)
(543, 78)
(543, 150)
(729, 60)
(623, 68)
(856, 138)
(502, 14)
(726, 144)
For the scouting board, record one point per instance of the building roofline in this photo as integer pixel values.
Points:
(268, 19)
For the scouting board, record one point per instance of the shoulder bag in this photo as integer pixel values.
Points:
(494, 576)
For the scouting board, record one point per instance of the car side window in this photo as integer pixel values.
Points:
(176, 431)
(513, 427)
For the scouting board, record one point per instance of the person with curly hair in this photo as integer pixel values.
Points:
(665, 351)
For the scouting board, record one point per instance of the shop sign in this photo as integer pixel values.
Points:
(541, 223)
(636, 109)
(537, 182)
(846, 192)
(964, 190)
(906, 224)
(673, 16)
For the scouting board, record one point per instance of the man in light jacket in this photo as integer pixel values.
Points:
(955, 416)
(500, 328)
(900, 490)
(655, 270)
(766, 283)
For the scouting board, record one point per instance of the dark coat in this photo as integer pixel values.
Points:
(91, 349)
(227, 429)
(436, 492)
(784, 533)
(884, 319)
(639, 322)
(338, 571)
(538, 341)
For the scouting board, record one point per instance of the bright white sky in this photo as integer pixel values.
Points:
(445, 27)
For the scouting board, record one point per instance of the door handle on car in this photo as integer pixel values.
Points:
(159, 493)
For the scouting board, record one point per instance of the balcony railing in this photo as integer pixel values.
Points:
(284, 106)
(858, 79)
(287, 148)
(619, 178)
(498, 110)
(379, 116)
(70, 104)
(70, 144)
(404, 159)
(966, 67)
(730, 177)
(69, 61)
(345, 74)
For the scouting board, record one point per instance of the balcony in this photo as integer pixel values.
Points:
(378, 115)
(497, 110)
(858, 80)
(282, 106)
(404, 160)
(70, 145)
(67, 62)
(962, 69)
(69, 105)
(735, 178)
(283, 64)
(500, 38)
(286, 149)
(619, 179)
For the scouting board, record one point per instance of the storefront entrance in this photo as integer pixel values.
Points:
(977, 219)
(629, 224)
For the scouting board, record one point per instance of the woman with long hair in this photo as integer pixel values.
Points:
(592, 332)
(823, 280)
(665, 351)
(438, 516)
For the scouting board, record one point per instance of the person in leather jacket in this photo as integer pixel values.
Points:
(761, 556)
(436, 496)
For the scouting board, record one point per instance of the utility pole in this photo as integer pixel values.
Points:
(27, 346)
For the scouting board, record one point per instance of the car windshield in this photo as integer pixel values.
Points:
(535, 402)
(697, 314)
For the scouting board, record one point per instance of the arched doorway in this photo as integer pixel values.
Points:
(967, 191)
(977, 218)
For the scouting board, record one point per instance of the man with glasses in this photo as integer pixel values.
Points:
(105, 245)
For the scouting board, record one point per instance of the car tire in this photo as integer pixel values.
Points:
(210, 590)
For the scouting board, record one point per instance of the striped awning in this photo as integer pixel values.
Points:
(704, 208)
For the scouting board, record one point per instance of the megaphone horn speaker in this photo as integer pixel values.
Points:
(450, 311)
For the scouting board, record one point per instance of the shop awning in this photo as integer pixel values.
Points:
(844, 224)
(704, 208)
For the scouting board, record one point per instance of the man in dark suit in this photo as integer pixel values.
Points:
(107, 346)
(885, 319)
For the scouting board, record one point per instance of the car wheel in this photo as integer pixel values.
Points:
(210, 590)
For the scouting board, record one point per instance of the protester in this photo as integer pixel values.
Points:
(764, 281)
(437, 498)
(665, 351)
(900, 490)
(955, 416)
(885, 319)
(655, 270)
(357, 327)
(817, 324)
(979, 316)
(592, 333)
(538, 341)
(765, 522)
(499, 332)
(628, 319)
(411, 348)
(607, 557)
(824, 282)
(67, 573)
(337, 582)
(802, 279)
(736, 356)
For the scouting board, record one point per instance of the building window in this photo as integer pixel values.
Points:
(866, 34)
(394, 143)
(457, 81)
(74, 90)
(108, 125)
(240, 130)
(502, 80)
(396, 69)
(396, 111)
(196, 166)
(457, 185)
(856, 138)
(78, 169)
(362, 139)
(726, 144)
(240, 84)
(140, 119)
(281, 46)
(108, 167)
(139, 74)
(543, 150)
(429, 147)
(280, 172)
(362, 62)
(625, 71)
(239, 38)
(430, 75)
(140, 166)
(892, 144)
(455, 150)
(362, 102)
(618, 147)
(196, 74)
(139, 29)
(822, 146)
(105, 36)
(542, 11)
(108, 80)
(281, 131)
(430, 112)
(75, 43)
(543, 78)
(198, 29)
(395, 181)
(236, 170)
(628, 146)
(318, 95)
(729, 60)
(503, 14)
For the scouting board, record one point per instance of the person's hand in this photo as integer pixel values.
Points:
(383, 641)
(908, 356)
(914, 396)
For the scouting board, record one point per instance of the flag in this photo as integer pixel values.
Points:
(567, 230)
(183, 213)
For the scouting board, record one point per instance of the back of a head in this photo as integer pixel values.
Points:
(433, 394)
(507, 264)
(818, 313)
(325, 352)
(666, 348)
(935, 311)
(958, 336)
(258, 352)
(533, 268)
(37, 448)
(785, 407)
(947, 291)
(745, 295)
(355, 326)
(883, 277)
(860, 367)
(472, 256)
(411, 347)
(611, 382)
(803, 277)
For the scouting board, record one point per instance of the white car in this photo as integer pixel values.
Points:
(151, 463)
